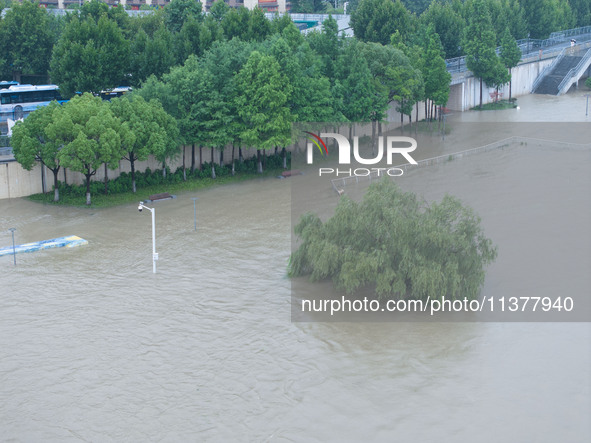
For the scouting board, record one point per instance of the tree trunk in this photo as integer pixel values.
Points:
(164, 169)
(480, 92)
(88, 188)
(106, 180)
(373, 137)
(426, 113)
(222, 157)
(379, 128)
(56, 191)
(212, 165)
(43, 178)
(259, 163)
(233, 149)
(192, 157)
(240, 157)
(184, 167)
(65, 178)
(132, 161)
(417, 115)
(201, 158)
(264, 159)
(284, 152)
(510, 81)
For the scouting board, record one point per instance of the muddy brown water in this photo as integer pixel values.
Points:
(94, 347)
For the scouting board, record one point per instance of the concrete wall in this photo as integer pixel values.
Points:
(18, 182)
(466, 94)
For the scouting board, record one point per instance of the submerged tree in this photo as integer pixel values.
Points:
(395, 243)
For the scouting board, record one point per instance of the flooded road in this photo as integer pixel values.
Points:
(94, 347)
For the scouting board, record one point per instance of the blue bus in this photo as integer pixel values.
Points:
(17, 101)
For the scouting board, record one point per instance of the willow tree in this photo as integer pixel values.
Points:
(396, 244)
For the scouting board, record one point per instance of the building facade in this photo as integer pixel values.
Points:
(265, 5)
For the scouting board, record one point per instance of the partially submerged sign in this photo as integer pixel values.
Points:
(61, 242)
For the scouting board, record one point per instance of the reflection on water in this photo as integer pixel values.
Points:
(95, 347)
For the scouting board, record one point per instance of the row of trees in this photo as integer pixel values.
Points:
(245, 94)
(377, 20)
(100, 47)
(86, 133)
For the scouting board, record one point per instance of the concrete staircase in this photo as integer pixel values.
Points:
(549, 85)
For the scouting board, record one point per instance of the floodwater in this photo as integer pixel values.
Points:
(94, 347)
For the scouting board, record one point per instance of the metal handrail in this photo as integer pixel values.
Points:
(569, 32)
(570, 74)
(548, 69)
(526, 45)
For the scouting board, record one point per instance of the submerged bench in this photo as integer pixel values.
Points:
(162, 196)
(291, 173)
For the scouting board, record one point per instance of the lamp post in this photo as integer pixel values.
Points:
(587, 106)
(195, 212)
(13, 247)
(154, 253)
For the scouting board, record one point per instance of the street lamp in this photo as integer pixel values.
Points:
(13, 247)
(154, 253)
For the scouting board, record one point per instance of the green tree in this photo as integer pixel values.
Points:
(479, 43)
(142, 132)
(27, 36)
(437, 250)
(95, 9)
(262, 94)
(219, 9)
(448, 24)
(221, 63)
(90, 56)
(588, 82)
(150, 55)
(377, 20)
(89, 135)
(358, 85)
(581, 11)
(510, 54)
(177, 12)
(327, 45)
(31, 143)
(546, 16)
(435, 73)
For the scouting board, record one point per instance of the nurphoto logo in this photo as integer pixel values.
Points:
(393, 145)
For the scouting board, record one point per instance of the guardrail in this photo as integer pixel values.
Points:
(530, 46)
(571, 32)
(548, 69)
(504, 143)
(568, 79)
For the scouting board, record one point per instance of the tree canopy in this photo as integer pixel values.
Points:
(396, 244)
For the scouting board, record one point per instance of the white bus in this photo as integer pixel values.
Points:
(17, 101)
